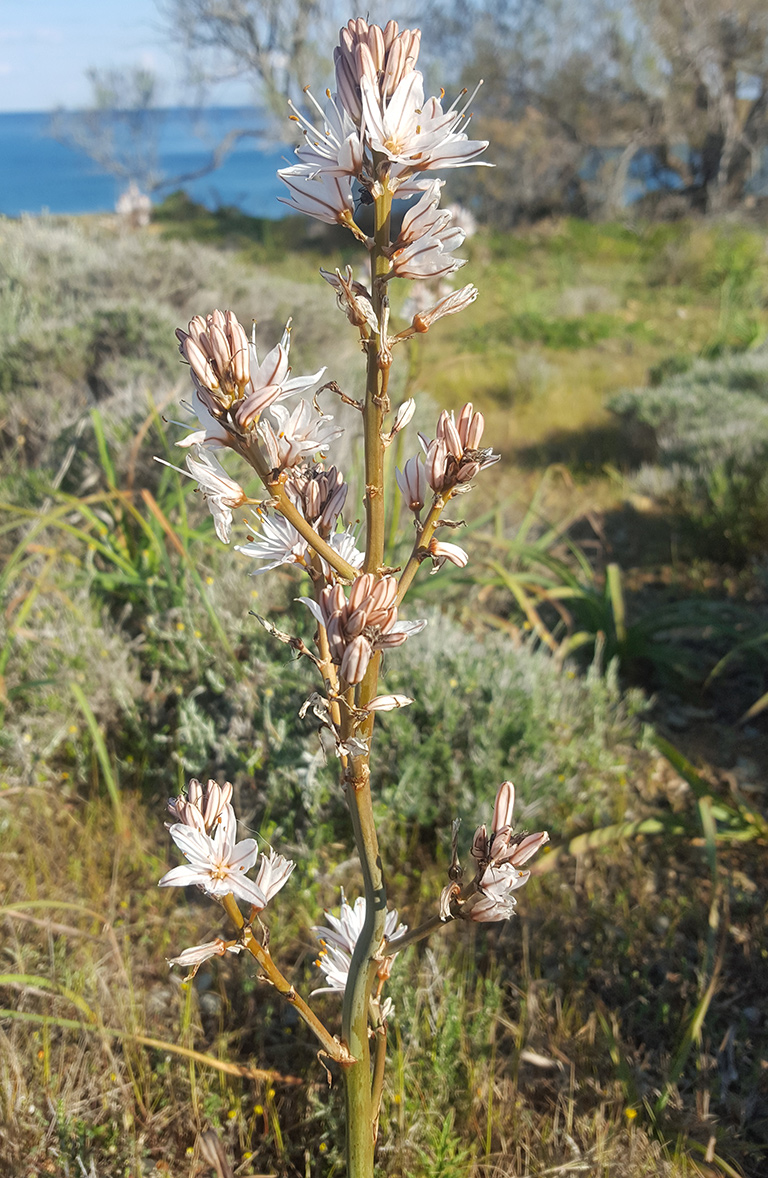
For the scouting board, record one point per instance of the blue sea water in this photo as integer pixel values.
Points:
(38, 173)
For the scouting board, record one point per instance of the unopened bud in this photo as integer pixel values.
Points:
(356, 658)
(388, 703)
(442, 551)
(505, 804)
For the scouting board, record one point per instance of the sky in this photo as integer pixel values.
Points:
(47, 45)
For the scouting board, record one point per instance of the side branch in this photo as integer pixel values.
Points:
(293, 515)
(425, 534)
(332, 1047)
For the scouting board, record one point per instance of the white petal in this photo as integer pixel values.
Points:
(247, 890)
(181, 877)
(313, 608)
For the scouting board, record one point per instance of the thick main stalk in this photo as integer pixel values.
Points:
(361, 1114)
(376, 394)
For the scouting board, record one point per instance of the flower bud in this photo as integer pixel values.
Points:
(361, 589)
(505, 804)
(388, 703)
(403, 415)
(436, 464)
(413, 483)
(356, 658)
(443, 551)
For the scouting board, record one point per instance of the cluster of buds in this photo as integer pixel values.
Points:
(232, 386)
(216, 349)
(203, 807)
(383, 56)
(361, 625)
(499, 856)
(319, 494)
(454, 456)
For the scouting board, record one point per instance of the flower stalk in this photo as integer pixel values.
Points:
(330, 1045)
(381, 135)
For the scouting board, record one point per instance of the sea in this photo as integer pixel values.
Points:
(38, 173)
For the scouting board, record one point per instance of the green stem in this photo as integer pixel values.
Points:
(426, 532)
(379, 1067)
(361, 1115)
(360, 1112)
(376, 396)
(294, 516)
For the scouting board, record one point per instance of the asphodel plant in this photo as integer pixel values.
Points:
(378, 140)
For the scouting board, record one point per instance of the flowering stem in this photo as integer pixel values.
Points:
(376, 395)
(360, 1110)
(331, 1046)
(361, 1114)
(425, 534)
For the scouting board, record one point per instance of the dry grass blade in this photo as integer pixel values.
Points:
(220, 1065)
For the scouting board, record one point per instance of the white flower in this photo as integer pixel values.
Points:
(298, 434)
(273, 873)
(424, 217)
(277, 543)
(337, 148)
(429, 256)
(338, 942)
(414, 133)
(220, 492)
(344, 544)
(213, 434)
(216, 863)
(495, 901)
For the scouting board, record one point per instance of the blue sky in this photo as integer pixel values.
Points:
(47, 45)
